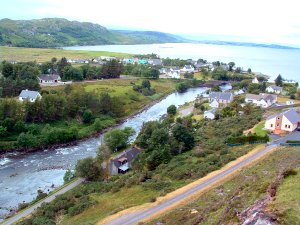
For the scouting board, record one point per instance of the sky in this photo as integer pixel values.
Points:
(263, 21)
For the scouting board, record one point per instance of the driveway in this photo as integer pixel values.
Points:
(292, 136)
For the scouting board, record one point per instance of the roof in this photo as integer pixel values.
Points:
(221, 95)
(129, 155)
(261, 96)
(275, 88)
(290, 114)
(213, 111)
(155, 61)
(49, 77)
(188, 67)
(29, 94)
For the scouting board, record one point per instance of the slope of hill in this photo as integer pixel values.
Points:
(57, 32)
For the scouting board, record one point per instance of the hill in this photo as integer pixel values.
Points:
(57, 32)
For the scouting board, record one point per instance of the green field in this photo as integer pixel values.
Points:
(44, 54)
(221, 204)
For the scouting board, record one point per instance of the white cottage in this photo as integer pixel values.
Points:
(31, 96)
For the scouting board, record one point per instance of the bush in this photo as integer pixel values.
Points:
(88, 168)
(87, 116)
(27, 140)
(171, 110)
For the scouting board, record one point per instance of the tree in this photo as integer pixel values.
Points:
(249, 70)
(171, 110)
(279, 81)
(88, 168)
(103, 157)
(53, 65)
(87, 116)
(182, 134)
(112, 69)
(62, 63)
(7, 69)
(152, 73)
(146, 84)
(71, 73)
(118, 138)
(231, 65)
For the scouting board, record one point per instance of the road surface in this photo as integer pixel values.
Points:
(139, 215)
(29, 210)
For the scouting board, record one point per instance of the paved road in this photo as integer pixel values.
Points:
(137, 216)
(28, 211)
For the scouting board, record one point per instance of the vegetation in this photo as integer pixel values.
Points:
(286, 205)
(117, 139)
(55, 32)
(68, 113)
(169, 161)
(223, 204)
(43, 54)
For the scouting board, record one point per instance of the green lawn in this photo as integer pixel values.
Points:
(110, 203)
(259, 129)
(45, 54)
(287, 202)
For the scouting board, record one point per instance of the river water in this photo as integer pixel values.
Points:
(21, 175)
(269, 61)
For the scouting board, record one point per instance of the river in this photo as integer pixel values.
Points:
(269, 61)
(21, 175)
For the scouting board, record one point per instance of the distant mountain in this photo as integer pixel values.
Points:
(56, 32)
(247, 44)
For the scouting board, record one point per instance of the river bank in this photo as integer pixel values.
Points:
(45, 169)
(75, 142)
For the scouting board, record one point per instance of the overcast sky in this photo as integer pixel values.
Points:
(263, 21)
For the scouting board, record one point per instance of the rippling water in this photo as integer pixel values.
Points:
(270, 61)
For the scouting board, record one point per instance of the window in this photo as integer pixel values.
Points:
(277, 125)
(271, 125)
(289, 126)
(285, 126)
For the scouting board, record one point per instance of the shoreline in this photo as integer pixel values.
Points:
(76, 142)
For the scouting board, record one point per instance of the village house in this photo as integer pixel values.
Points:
(155, 62)
(122, 163)
(262, 100)
(239, 92)
(287, 121)
(173, 74)
(31, 96)
(221, 97)
(214, 104)
(274, 89)
(210, 114)
(187, 68)
(255, 80)
(49, 78)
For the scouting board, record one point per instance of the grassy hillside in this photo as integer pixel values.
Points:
(222, 204)
(57, 32)
(44, 54)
